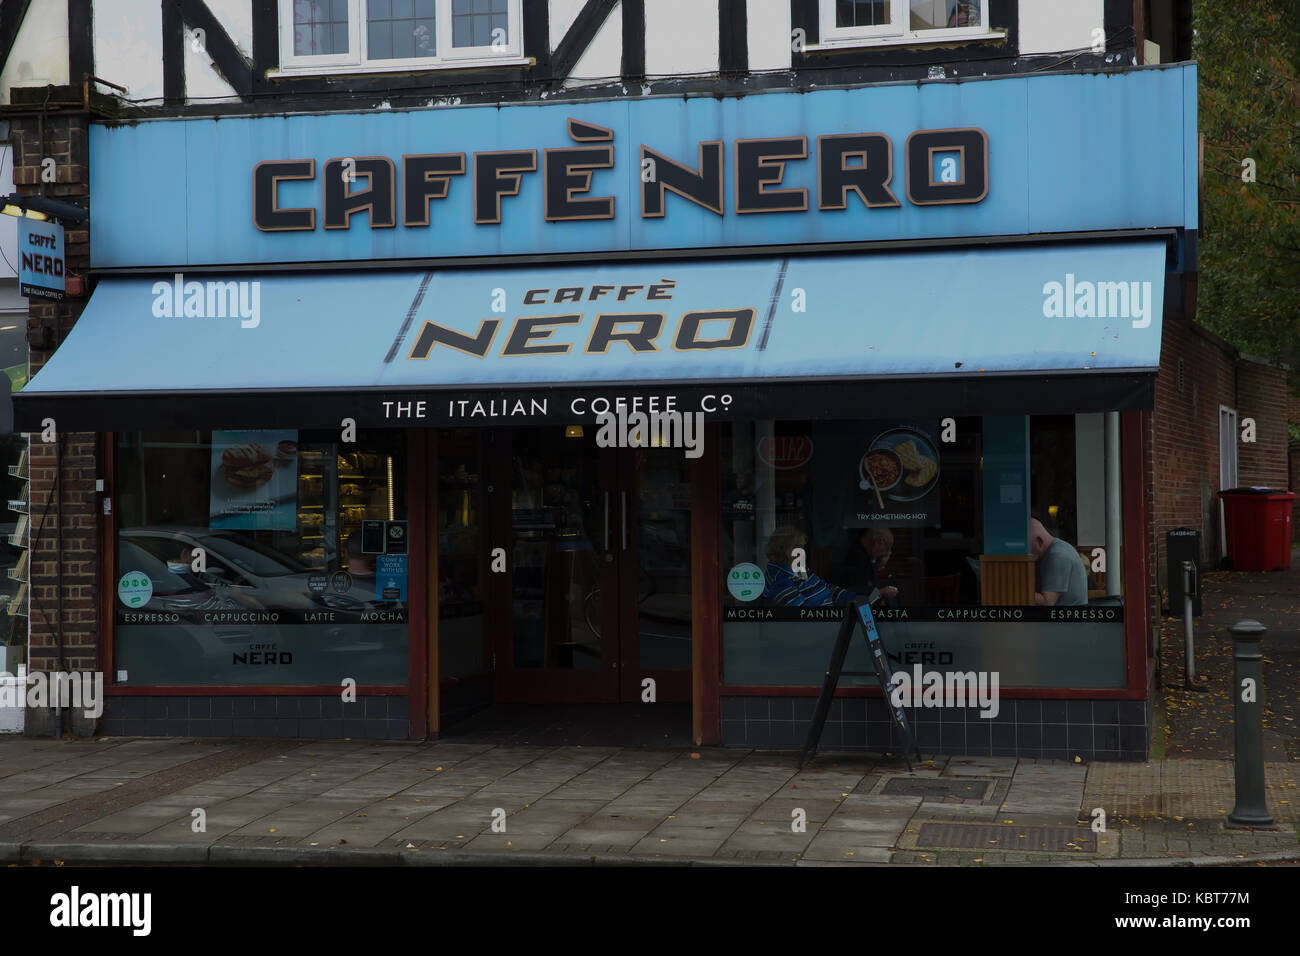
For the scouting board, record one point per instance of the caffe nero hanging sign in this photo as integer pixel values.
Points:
(940, 167)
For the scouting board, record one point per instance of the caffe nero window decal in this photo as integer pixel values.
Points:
(941, 167)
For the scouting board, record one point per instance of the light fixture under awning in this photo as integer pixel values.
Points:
(310, 349)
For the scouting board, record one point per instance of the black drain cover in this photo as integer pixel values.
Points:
(996, 836)
(962, 788)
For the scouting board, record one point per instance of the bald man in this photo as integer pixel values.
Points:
(1061, 574)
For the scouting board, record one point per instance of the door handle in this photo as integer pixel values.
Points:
(623, 496)
(606, 521)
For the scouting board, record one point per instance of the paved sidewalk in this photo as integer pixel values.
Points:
(1198, 722)
(330, 802)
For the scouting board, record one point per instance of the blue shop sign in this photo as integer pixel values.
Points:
(40, 259)
(1005, 156)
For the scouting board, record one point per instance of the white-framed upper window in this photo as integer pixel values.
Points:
(861, 22)
(366, 36)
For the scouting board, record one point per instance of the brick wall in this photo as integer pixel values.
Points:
(1185, 428)
(1186, 431)
(1262, 395)
(62, 137)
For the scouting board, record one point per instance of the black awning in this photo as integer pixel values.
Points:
(813, 399)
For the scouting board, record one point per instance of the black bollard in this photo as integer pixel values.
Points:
(1248, 727)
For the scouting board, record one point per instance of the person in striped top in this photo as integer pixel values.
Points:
(789, 588)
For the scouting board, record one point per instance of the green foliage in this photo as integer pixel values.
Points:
(1248, 55)
(1293, 432)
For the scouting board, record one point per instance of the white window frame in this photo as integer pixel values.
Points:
(1229, 465)
(357, 60)
(831, 37)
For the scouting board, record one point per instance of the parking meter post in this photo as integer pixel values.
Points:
(1250, 809)
(1189, 571)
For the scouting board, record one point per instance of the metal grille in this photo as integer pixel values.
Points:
(1013, 839)
(962, 788)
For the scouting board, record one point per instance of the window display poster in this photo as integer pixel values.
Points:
(390, 577)
(254, 480)
(887, 472)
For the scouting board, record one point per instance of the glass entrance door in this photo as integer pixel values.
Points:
(599, 571)
(656, 574)
(559, 642)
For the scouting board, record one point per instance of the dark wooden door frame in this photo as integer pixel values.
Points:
(706, 590)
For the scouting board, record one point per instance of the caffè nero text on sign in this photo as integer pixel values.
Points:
(945, 166)
(580, 378)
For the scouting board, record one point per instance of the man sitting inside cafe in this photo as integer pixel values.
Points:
(1062, 578)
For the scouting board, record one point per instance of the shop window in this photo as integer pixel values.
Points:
(340, 36)
(862, 22)
(260, 557)
(982, 538)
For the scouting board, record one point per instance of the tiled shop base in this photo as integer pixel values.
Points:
(1043, 729)
(374, 718)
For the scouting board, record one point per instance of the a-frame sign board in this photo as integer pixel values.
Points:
(859, 611)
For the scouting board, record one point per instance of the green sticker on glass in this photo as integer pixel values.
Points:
(745, 582)
(134, 589)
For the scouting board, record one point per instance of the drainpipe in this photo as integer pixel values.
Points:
(58, 532)
(58, 565)
(1114, 508)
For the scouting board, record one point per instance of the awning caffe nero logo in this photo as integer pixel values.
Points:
(941, 167)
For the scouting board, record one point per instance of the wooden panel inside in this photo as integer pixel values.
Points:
(1007, 579)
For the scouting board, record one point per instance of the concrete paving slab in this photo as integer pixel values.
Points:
(1045, 787)
(882, 803)
(298, 819)
(433, 829)
(33, 802)
(756, 835)
(867, 831)
(842, 848)
(242, 811)
(949, 812)
(681, 841)
(138, 820)
(980, 767)
(585, 806)
(782, 807)
(713, 824)
(643, 819)
(694, 816)
(368, 833)
(518, 795)
(624, 839)
(825, 780)
(511, 841)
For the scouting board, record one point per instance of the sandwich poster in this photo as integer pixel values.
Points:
(254, 480)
